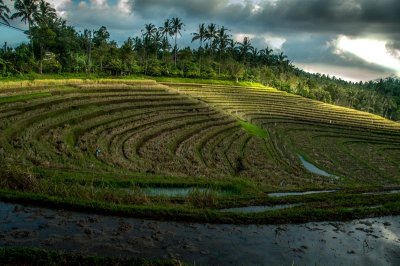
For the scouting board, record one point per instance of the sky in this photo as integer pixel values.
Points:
(351, 39)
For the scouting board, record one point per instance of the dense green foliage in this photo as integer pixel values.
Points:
(56, 47)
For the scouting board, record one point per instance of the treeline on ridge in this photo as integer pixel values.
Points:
(56, 47)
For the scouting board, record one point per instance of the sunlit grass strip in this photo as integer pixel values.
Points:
(18, 98)
(53, 82)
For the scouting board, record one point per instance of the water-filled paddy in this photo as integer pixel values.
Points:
(314, 169)
(372, 241)
(285, 194)
(259, 208)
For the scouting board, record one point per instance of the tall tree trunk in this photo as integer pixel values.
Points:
(30, 36)
(176, 49)
(90, 57)
(219, 65)
(41, 59)
(201, 54)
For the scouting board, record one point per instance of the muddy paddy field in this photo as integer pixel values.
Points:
(374, 241)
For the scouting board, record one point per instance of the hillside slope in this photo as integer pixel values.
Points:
(102, 144)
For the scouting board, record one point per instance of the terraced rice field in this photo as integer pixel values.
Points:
(356, 146)
(97, 144)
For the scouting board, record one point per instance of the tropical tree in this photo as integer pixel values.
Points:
(157, 42)
(166, 30)
(283, 62)
(200, 35)
(100, 41)
(211, 34)
(87, 36)
(27, 10)
(165, 45)
(223, 39)
(45, 13)
(4, 10)
(244, 48)
(149, 30)
(265, 55)
(176, 27)
(46, 19)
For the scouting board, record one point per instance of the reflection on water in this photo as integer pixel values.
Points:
(373, 241)
(314, 169)
(284, 194)
(262, 208)
(171, 192)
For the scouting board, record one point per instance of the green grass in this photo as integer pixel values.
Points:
(253, 129)
(18, 98)
(94, 77)
(208, 81)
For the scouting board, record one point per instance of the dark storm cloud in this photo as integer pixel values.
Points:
(348, 16)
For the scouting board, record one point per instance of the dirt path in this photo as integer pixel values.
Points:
(361, 242)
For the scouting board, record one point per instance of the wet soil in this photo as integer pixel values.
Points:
(361, 242)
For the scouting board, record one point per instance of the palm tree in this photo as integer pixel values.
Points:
(149, 30)
(26, 10)
(200, 35)
(148, 33)
(166, 29)
(88, 37)
(254, 55)
(282, 58)
(211, 34)
(245, 47)
(176, 27)
(157, 41)
(4, 10)
(283, 61)
(266, 55)
(232, 47)
(223, 40)
(165, 46)
(45, 13)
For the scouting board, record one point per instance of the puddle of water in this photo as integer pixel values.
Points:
(395, 191)
(261, 208)
(314, 169)
(284, 194)
(171, 192)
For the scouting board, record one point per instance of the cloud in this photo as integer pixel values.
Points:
(349, 73)
(372, 51)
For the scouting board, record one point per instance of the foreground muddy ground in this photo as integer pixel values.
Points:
(373, 241)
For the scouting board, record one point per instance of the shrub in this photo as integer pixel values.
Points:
(17, 177)
(203, 198)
